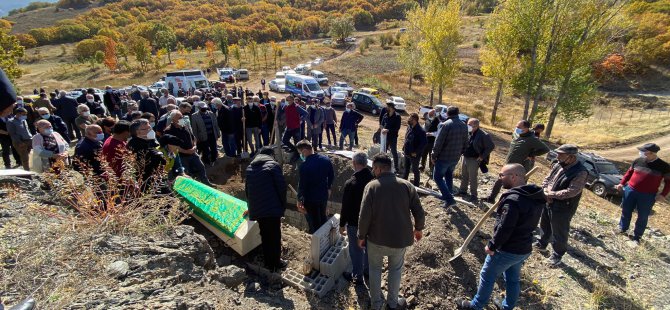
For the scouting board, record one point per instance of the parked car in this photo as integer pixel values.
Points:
(439, 109)
(367, 102)
(398, 103)
(242, 74)
(156, 87)
(402, 30)
(301, 69)
(327, 42)
(603, 174)
(339, 98)
(350, 39)
(345, 86)
(317, 61)
(285, 68)
(226, 74)
(278, 85)
(280, 75)
(319, 77)
(370, 91)
(332, 90)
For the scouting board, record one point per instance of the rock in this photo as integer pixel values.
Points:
(411, 300)
(430, 306)
(118, 269)
(223, 260)
(231, 275)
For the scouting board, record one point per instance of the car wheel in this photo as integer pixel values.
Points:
(599, 189)
(374, 111)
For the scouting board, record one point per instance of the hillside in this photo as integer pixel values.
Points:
(8, 5)
(44, 17)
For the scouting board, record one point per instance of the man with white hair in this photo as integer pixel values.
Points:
(66, 108)
(206, 130)
(85, 118)
(94, 106)
(177, 126)
(148, 105)
(56, 123)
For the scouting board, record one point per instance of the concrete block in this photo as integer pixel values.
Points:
(314, 283)
(323, 239)
(334, 262)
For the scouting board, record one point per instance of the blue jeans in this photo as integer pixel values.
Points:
(632, 200)
(443, 175)
(504, 263)
(396, 259)
(229, 145)
(359, 257)
(347, 133)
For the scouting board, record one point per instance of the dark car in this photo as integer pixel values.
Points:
(603, 174)
(367, 102)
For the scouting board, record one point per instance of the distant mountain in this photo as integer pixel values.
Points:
(8, 5)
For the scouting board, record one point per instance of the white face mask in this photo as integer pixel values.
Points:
(182, 122)
(86, 114)
(431, 117)
(151, 135)
(642, 154)
(348, 110)
(90, 100)
(469, 128)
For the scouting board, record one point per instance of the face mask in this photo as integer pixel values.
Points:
(642, 154)
(134, 89)
(302, 157)
(100, 137)
(444, 114)
(431, 118)
(348, 110)
(46, 116)
(85, 114)
(90, 100)
(108, 90)
(328, 108)
(250, 103)
(151, 135)
(48, 132)
(518, 131)
(469, 128)
(152, 124)
(23, 118)
(182, 122)
(19, 102)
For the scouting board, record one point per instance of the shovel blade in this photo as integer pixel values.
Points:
(457, 254)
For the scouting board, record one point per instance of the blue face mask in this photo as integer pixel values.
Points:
(100, 137)
(48, 132)
(23, 118)
(46, 116)
(518, 131)
(302, 157)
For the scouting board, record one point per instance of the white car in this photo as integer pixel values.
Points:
(339, 98)
(278, 85)
(398, 103)
(439, 109)
(350, 39)
(285, 69)
(344, 86)
(317, 61)
(156, 87)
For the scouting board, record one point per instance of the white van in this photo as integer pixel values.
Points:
(280, 75)
(319, 77)
(304, 86)
(186, 79)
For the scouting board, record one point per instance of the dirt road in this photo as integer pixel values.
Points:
(629, 152)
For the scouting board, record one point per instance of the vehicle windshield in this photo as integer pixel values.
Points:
(280, 81)
(201, 84)
(313, 86)
(319, 75)
(607, 168)
(375, 100)
(343, 85)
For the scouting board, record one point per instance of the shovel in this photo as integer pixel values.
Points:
(474, 231)
(244, 154)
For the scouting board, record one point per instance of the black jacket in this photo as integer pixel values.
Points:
(225, 119)
(392, 123)
(149, 105)
(252, 116)
(481, 144)
(147, 158)
(59, 126)
(87, 156)
(415, 141)
(66, 108)
(518, 214)
(352, 195)
(265, 188)
(110, 99)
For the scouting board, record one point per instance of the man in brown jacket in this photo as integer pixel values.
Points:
(385, 223)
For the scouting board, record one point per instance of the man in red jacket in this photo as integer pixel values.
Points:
(640, 188)
(293, 112)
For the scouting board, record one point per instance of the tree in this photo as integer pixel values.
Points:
(165, 38)
(362, 19)
(438, 26)
(99, 57)
(10, 54)
(341, 28)
(210, 48)
(221, 39)
(275, 52)
(110, 59)
(264, 49)
(237, 54)
(140, 48)
(592, 30)
(498, 56)
(409, 55)
(253, 48)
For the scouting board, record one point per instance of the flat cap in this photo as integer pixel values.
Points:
(569, 149)
(651, 147)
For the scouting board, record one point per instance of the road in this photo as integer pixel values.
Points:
(627, 153)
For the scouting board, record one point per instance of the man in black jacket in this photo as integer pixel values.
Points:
(112, 101)
(518, 213)
(480, 146)
(563, 188)
(148, 159)
(265, 188)
(352, 195)
(390, 125)
(415, 142)
(66, 108)
(148, 104)
(252, 120)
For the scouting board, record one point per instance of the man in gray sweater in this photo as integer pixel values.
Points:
(385, 224)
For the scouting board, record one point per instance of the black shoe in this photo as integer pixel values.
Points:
(554, 261)
(540, 246)
(490, 200)
(463, 303)
(402, 304)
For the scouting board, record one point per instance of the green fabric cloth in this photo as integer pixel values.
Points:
(219, 209)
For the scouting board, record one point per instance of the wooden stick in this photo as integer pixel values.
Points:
(458, 252)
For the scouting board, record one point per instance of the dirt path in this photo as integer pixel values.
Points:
(629, 152)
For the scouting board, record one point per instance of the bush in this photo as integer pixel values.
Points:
(475, 45)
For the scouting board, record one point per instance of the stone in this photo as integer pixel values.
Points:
(118, 269)
(411, 300)
(223, 260)
(231, 275)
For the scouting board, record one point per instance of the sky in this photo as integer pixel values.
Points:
(8, 5)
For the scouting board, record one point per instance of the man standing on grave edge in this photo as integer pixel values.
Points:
(316, 177)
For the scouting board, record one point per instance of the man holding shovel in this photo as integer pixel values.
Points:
(518, 214)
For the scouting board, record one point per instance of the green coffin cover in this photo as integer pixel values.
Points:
(219, 209)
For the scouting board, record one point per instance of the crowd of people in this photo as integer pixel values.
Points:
(381, 212)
